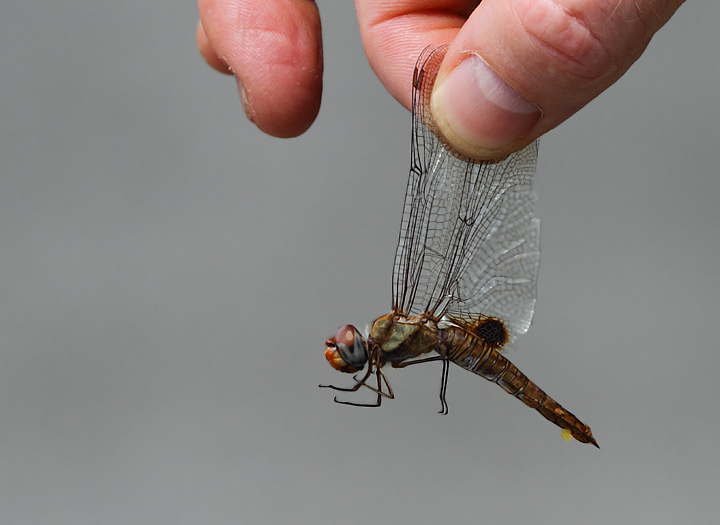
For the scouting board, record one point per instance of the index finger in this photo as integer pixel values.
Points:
(274, 49)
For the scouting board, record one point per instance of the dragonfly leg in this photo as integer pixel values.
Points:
(358, 383)
(357, 404)
(443, 386)
(418, 361)
(381, 378)
(443, 383)
(380, 375)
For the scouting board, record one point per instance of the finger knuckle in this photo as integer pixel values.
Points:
(566, 32)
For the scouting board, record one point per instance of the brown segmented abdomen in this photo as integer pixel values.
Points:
(472, 353)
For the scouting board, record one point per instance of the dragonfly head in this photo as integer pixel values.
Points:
(347, 350)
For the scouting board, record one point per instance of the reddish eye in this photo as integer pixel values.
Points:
(345, 335)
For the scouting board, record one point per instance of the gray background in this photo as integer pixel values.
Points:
(168, 276)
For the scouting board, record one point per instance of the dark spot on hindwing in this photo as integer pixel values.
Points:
(492, 331)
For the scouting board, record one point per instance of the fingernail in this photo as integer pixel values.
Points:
(243, 99)
(480, 114)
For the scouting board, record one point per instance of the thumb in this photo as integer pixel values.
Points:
(518, 68)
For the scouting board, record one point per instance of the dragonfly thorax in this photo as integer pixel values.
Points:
(401, 338)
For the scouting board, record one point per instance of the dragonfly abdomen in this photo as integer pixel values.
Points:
(474, 354)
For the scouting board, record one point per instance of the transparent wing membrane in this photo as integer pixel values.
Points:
(469, 241)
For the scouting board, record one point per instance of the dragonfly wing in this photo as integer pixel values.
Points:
(469, 241)
(501, 280)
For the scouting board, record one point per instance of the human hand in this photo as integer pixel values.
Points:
(514, 70)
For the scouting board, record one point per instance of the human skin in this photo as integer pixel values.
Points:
(514, 69)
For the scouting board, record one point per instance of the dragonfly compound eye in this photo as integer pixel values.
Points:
(347, 350)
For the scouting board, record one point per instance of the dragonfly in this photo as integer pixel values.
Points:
(465, 270)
